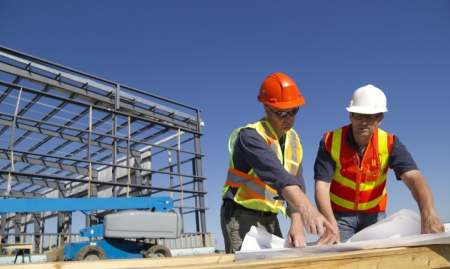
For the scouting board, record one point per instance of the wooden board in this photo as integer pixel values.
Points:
(16, 246)
(435, 256)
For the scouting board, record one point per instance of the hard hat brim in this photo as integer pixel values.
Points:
(284, 105)
(365, 110)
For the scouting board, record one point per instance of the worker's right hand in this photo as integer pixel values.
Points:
(314, 222)
(329, 238)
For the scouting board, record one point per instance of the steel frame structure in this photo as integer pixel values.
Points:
(65, 133)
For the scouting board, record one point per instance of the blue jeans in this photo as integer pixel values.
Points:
(350, 223)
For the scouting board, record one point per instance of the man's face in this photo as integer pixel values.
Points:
(282, 120)
(364, 125)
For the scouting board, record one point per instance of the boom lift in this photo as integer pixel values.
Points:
(157, 221)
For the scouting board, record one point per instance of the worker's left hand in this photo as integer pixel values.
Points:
(296, 236)
(431, 224)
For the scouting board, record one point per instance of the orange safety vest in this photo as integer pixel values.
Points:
(359, 185)
(252, 193)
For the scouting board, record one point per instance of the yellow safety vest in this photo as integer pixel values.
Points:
(252, 193)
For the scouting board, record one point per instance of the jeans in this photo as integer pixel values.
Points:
(350, 223)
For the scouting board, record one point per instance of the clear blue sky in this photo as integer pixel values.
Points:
(214, 55)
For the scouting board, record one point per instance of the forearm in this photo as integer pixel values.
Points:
(323, 203)
(420, 190)
(322, 196)
(296, 198)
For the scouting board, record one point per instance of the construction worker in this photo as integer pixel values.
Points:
(266, 169)
(351, 168)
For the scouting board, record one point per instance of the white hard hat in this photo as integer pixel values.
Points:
(368, 100)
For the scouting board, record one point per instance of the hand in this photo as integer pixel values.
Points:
(431, 224)
(296, 236)
(315, 223)
(328, 238)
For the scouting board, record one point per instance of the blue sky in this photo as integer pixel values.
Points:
(214, 55)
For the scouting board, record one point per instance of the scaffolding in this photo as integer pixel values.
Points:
(68, 134)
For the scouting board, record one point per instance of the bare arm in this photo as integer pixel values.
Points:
(322, 196)
(313, 221)
(421, 192)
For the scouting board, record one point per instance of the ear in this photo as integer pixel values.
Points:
(266, 109)
(380, 119)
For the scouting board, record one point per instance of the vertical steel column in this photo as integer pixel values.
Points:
(88, 152)
(114, 134)
(38, 230)
(17, 227)
(171, 171)
(180, 177)
(129, 155)
(199, 173)
(3, 228)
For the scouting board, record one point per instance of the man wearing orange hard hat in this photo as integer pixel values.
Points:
(351, 171)
(266, 170)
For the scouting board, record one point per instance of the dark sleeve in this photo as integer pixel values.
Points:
(324, 165)
(400, 159)
(251, 151)
(299, 177)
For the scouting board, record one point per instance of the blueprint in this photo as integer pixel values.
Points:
(398, 230)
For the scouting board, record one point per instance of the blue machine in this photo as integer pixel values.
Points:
(116, 229)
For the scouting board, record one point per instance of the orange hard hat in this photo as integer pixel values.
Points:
(280, 91)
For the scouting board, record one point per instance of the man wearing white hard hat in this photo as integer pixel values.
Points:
(351, 171)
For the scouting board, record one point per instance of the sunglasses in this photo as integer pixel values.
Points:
(283, 114)
(369, 118)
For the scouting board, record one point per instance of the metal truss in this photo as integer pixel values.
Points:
(65, 133)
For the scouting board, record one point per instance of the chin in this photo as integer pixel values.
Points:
(368, 134)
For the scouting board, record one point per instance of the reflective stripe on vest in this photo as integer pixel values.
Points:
(358, 187)
(252, 192)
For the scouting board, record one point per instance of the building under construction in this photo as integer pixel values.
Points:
(68, 134)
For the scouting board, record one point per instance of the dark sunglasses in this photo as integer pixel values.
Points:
(283, 114)
(370, 118)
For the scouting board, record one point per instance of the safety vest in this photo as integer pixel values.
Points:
(359, 185)
(251, 192)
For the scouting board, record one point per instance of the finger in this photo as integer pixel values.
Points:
(330, 227)
(313, 229)
(290, 239)
(308, 228)
(318, 242)
(322, 241)
(320, 230)
(301, 244)
(329, 239)
(437, 229)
